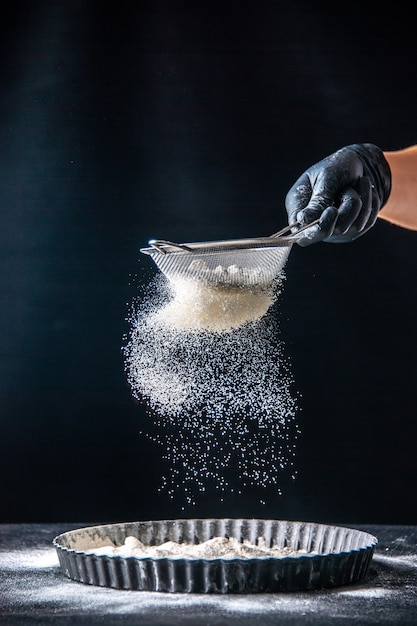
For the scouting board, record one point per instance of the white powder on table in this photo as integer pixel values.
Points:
(212, 371)
(218, 547)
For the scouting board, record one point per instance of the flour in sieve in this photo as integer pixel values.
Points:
(221, 398)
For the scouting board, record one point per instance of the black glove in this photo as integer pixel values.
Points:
(345, 190)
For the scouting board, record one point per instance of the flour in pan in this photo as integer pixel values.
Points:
(215, 548)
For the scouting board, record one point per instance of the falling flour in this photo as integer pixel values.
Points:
(215, 548)
(210, 367)
(198, 306)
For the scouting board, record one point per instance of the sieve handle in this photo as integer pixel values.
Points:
(162, 246)
(294, 225)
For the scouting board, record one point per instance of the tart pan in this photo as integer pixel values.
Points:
(330, 556)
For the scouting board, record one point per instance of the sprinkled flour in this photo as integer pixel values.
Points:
(218, 547)
(210, 367)
(197, 306)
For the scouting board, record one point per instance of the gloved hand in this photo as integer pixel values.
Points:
(345, 190)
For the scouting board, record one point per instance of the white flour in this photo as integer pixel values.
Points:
(221, 398)
(33, 584)
(218, 547)
(196, 306)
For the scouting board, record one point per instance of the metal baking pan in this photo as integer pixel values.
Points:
(332, 556)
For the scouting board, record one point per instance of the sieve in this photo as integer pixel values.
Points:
(252, 263)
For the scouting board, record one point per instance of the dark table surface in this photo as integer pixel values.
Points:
(33, 590)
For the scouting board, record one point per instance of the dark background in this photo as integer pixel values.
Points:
(129, 121)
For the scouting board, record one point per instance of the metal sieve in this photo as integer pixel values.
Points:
(252, 263)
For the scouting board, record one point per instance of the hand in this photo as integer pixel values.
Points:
(345, 190)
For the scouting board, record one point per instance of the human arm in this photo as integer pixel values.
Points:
(401, 206)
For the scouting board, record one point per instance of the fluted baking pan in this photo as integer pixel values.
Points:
(334, 556)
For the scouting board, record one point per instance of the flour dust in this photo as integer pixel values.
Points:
(217, 385)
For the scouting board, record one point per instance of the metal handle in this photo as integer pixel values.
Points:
(164, 246)
(294, 225)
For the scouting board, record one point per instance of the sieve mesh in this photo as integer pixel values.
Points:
(242, 263)
(249, 267)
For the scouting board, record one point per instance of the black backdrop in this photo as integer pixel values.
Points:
(136, 120)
